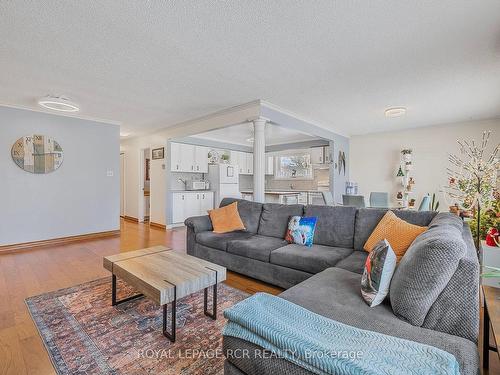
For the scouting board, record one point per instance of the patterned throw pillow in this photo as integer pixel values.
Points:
(398, 232)
(379, 268)
(301, 230)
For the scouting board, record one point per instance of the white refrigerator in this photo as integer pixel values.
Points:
(224, 181)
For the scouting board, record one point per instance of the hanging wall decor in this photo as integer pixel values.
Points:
(37, 154)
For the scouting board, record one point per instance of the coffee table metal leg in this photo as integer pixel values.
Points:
(114, 302)
(212, 314)
(170, 335)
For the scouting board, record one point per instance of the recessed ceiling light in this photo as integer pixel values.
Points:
(124, 134)
(60, 104)
(395, 112)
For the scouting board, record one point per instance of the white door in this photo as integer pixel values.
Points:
(249, 163)
(207, 202)
(201, 159)
(175, 161)
(122, 184)
(178, 207)
(317, 155)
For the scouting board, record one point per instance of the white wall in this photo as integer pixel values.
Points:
(375, 157)
(78, 198)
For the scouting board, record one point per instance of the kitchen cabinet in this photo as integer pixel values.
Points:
(201, 159)
(188, 158)
(175, 160)
(244, 160)
(249, 157)
(206, 202)
(320, 155)
(317, 155)
(269, 164)
(191, 203)
(178, 204)
(328, 156)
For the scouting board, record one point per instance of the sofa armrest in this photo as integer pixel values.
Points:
(199, 223)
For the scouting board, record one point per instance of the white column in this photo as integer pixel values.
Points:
(259, 159)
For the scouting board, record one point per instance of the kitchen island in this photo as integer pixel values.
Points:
(288, 196)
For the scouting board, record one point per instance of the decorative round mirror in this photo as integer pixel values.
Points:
(37, 154)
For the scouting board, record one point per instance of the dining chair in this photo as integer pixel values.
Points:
(425, 205)
(357, 201)
(379, 199)
(328, 198)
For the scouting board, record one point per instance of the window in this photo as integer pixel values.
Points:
(293, 165)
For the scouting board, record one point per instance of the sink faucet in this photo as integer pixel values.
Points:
(183, 181)
(292, 187)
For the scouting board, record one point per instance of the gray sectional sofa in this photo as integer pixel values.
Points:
(434, 294)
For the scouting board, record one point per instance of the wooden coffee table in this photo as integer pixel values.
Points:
(165, 276)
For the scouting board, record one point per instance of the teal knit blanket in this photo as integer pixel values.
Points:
(325, 346)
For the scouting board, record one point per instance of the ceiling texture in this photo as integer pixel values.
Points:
(150, 65)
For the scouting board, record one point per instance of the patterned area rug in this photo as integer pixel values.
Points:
(83, 333)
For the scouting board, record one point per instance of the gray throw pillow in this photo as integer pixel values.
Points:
(424, 272)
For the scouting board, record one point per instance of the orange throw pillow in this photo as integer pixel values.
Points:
(399, 233)
(226, 219)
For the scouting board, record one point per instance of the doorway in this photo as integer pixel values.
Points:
(122, 184)
(145, 184)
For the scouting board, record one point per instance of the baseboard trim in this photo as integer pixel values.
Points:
(56, 241)
(157, 225)
(131, 218)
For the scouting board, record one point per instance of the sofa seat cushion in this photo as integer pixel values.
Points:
(335, 293)
(220, 240)
(354, 262)
(256, 247)
(312, 259)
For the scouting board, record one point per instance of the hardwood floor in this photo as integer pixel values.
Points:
(45, 269)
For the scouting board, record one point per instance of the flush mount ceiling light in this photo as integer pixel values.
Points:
(395, 112)
(57, 103)
(124, 134)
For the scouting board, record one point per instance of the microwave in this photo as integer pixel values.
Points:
(196, 185)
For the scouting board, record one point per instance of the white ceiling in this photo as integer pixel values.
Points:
(149, 65)
(239, 134)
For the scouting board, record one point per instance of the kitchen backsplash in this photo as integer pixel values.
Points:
(320, 175)
(175, 184)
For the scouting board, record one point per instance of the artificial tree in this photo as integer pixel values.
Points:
(473, 178)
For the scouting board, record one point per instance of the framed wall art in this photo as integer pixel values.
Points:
(37, 154)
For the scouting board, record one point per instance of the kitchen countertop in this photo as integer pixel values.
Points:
(282, 192)
(190, 191)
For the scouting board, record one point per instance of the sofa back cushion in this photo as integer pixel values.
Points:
(368, 218)
(425, 271)
(275, 217)
(335, 225)
(249, 212)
